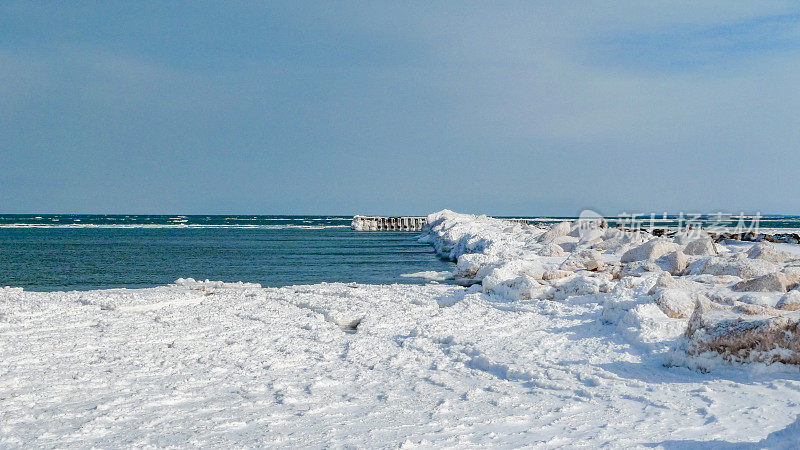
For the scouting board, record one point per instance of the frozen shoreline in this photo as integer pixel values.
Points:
(523, 359)
(709, 303)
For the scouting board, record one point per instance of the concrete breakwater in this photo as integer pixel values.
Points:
(398, 223)
(388, 223)
(416, 223)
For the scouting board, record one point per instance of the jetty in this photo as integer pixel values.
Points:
(399, 223)
(388, 223)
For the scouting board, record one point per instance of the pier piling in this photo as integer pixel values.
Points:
(399, 223)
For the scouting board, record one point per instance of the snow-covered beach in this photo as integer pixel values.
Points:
(568, 335)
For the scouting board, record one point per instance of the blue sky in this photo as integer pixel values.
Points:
(506, 108)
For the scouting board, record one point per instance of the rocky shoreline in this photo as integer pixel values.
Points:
(704, 298)
(786, 238)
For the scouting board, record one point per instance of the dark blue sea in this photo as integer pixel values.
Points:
(79, 252)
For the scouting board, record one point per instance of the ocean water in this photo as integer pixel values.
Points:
(78, 252)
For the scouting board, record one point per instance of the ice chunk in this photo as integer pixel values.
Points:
(768, 252)
(584, 259)
(676, 303)
(701, 247)
(650, 250)
(725, 265)
(551, 250)
(773, 282)
(674, 262)
(790, 301)
(557, 230)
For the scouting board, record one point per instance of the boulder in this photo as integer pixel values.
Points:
(558, 229)
(767, 252)
(608, 244)
(743, 338)
(790, 301)
(639, 268)
(789, 238)
(650, 250)
(556, 274)
(675, 303)
(740, 267)
(568, 247)
(523, 287)
(664, 280)
(587, 235)
(551, 250)
(580, 285)
(754, 309)
(758, 299)
(716, 279)
(773, 282)
(594, 264)
(793, 275)
(674, 263)
(687, 236)
(584, 259)
(701, 247)
(567, 243)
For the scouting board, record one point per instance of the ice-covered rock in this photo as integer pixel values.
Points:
(650, 250)
(790, 301)
(584, 259)
(590, 236)
(468, 265)
(556, 274)
(701, 247)
(638, 268)
(760, 337)
(773, 282)
(793, 273)
(611, 243)
(649, 286)
(567, 243)
(551, 250)
(523, 287)
(766, 251)
(664, 280)
(675, 303)
(766, 299)
(581, 285)
(689, 235)
(556, 230)
(713, 279)
(674, 262)
(724, 265)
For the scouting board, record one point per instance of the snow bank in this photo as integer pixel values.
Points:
(648, 286)
(349, 365)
